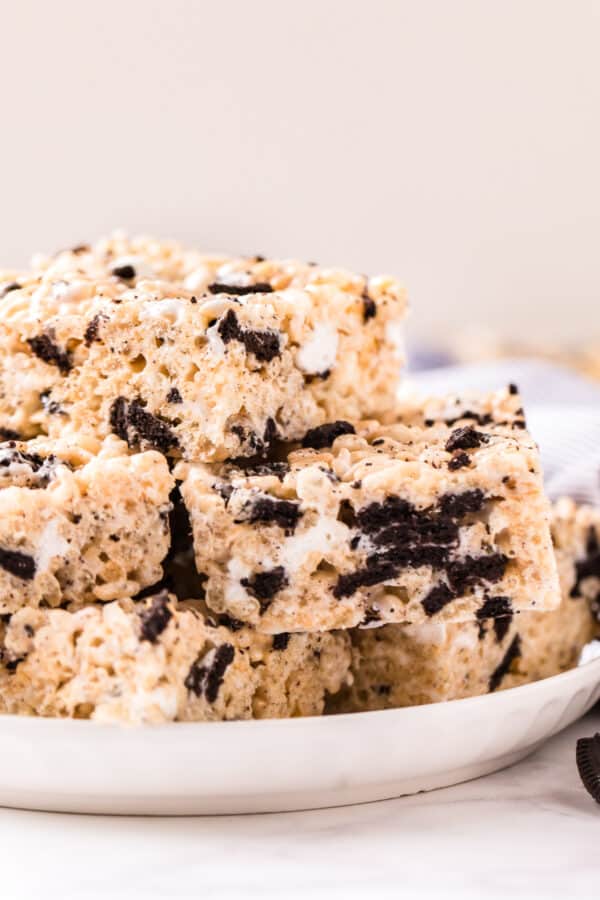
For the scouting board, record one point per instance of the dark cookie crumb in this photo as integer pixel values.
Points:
(174, 396)
(151, 428)
(118, 418)
(369, 307)
(280, 641)
(513, 389)
(478, 418)
(265, 345)
(437, 598)
(206, 680)
(264, 585)
(472, 570)
(501, 627)
(370, 616)
(238, 290)
(91, 332)
(155, 619)
(46, 350)
(513, 652)
(256, 470)
(126, 272)
(19, 564)
(133, 423)
(459, 461)
(458, 505)
(229, 622)
(7, 434)
(11, 664)
(324, 435)
(319, 376)
(284, 513)
(271, 434)
(494, 607)
(466, 438)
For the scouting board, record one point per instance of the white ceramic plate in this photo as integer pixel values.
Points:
(269, 766)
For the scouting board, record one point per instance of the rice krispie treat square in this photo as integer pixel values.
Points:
(403, 666)
(161, 661)
(207, 358)
(80, 523)
(374, 524)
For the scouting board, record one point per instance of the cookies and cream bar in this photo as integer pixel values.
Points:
(80, 522)
(161, 661)
(206, 358)
(373, 524)
(403, 666)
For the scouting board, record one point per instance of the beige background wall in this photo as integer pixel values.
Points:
(454, 143)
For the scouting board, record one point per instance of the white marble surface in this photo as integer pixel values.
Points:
(528, 832)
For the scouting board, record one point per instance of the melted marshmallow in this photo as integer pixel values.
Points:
(51, 545)
(320, 350)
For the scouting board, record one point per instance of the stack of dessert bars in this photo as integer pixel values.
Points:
(215, 507)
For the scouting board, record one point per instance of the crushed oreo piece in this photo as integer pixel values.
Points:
(118, 418)
(369, 307)
(513, 389)
(437, 598)
(174, 396)
(10, 457)
(459, 461)
(503, 668)
(375, 573)
(227, 621)
(205, 680)
(19, 564)
(46, 350)
(126, 272)
(466, 438)
(271, 434)
(151, 428)
(239, 290)
(587, 756)
(494, 607)
(91, 332)
(11, 664)
(501, 627)
(264, 585)
(472, 570)
(458, 505)
(155, 619)
(256, 470)
(285, 513)
(324, 435)
(264, 345)
(133, 423)
(7, 434)
(478, 418)
(280, 641)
